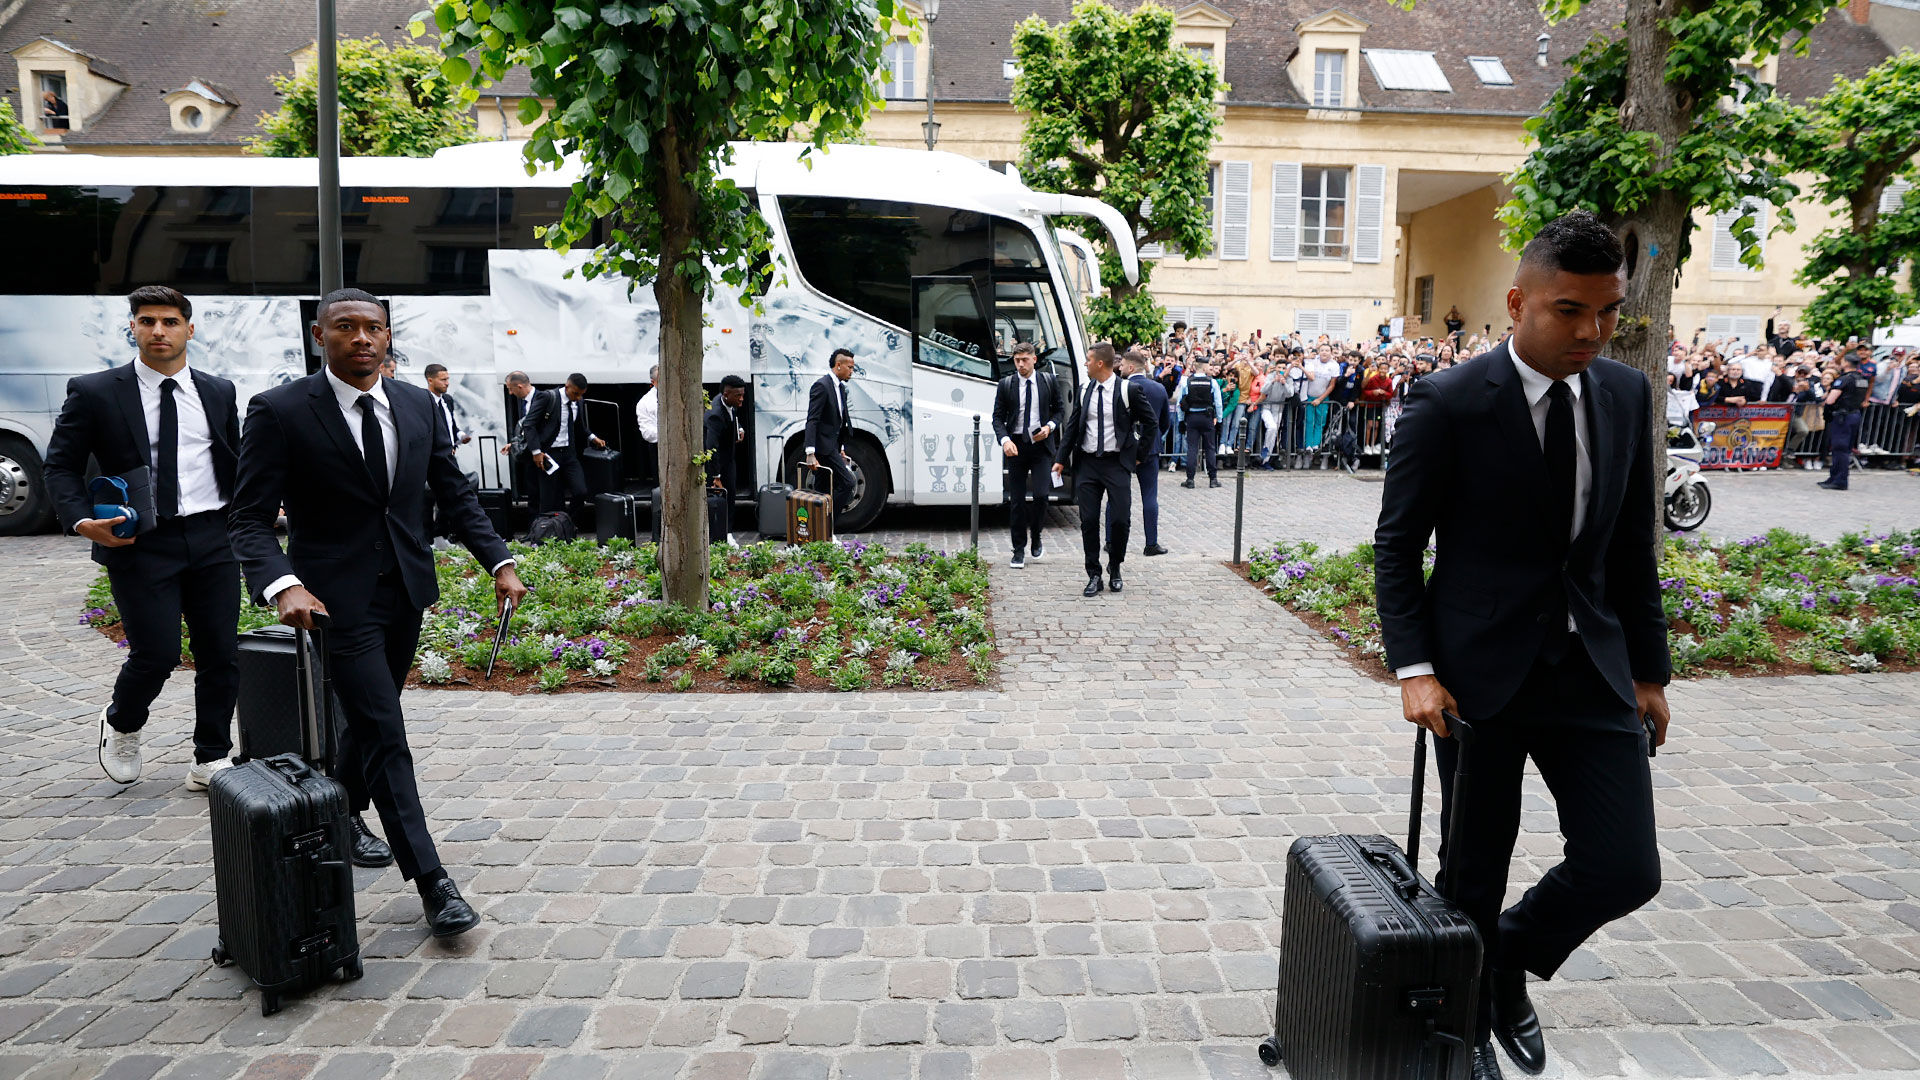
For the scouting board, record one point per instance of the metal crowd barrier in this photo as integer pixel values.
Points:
(1887, 436)
(1286, 441)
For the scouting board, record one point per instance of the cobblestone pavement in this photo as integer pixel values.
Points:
(1074, 875)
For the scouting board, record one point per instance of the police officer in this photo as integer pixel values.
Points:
(1844, 404)
(1197, 404)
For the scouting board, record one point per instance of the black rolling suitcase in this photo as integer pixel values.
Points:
(770, 502)
(719, 516)
(282, 867)
(616, 516)
(270, 717)
(605, 469)
(496, 501)
(1379, 974)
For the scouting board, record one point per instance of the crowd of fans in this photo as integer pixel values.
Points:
(1299, 399)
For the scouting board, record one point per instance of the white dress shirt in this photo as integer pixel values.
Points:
(445, 411)
(199, 488)
(1534, 386)
(1096, 438)
(348, 398)
(565, 438)
(649, 413)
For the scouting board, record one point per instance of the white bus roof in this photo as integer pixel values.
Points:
(842, 171)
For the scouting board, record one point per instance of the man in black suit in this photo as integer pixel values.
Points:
(828, 422)
(183, 426)
(558, 421)
(1532, 467)
(439, 380)
(1107, 439)
(1134, 367)
(518, 449)
(723, 433)
(352, 457)
(1028, 407)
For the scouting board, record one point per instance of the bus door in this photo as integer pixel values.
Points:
(954, 360)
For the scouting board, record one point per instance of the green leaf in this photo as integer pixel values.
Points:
(456, 69)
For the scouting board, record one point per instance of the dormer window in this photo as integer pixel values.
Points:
(1329, 78)
(198, 107)
(1324, 69)
(54, 111)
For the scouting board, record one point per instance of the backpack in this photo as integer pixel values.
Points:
(554, 526)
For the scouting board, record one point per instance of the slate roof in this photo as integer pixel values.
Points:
(156, 46)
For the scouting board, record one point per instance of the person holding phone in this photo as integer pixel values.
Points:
(1541, 623)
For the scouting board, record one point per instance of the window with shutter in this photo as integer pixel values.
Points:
(1719, 327)
(1206, 318)
(1176, 315)
(1236, 197)
(1337, 325)
(1323, 214)
(1726, 246)
(1149, 251)
(1894, 195)
(1370, 196)
(1284, 243)
(1307, 323)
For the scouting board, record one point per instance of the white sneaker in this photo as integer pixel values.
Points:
(1018, 562)
(119, 752)
(200, 773)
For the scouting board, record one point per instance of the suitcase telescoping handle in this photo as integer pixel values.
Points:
(1462, 733)
(802, 464)
(315, 691)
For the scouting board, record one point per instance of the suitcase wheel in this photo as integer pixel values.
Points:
(1270, 1053)
(269, 1003)
(350, 970)
(220, 957)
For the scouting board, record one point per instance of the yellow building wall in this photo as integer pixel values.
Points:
(1458, 243)
(1705, 291)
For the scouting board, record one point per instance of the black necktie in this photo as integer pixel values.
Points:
(167, 484)
(1099, 421)
(373, 445)
(843, 397)
(1561, 465)
(1026, 406)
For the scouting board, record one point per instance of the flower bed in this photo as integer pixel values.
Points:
(1778, 604)
(830, 616)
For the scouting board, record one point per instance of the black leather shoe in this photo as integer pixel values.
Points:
(1155, 549)
(447, 913)
(1114, 582)
(1094, 585)
(368, 849)
(1486, 1063)
(1830, 485)
(1515, 1023)
(1213, 483)
(1186, 483)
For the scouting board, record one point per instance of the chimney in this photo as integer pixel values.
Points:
(1860, 10)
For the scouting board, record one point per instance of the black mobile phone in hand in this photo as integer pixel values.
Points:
(1646, 721)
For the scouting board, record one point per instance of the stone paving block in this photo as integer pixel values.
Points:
(1735, 1052)
(356, 1066)
(823, 1025)
(1663, 1054)
(1843, 1000)
(1869, 1049)
(548, 1026)
(123, 1025)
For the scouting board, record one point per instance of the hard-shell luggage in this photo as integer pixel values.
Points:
(810, 513)
(616, 516)
(719, 516)
(770, 502)
(603, 469)
(271, 714)
(495, 499)
(282, 857)
(1379, 974)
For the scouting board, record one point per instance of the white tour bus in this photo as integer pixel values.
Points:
(929, 266)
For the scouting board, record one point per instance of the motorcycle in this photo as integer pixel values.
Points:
(1687, 497)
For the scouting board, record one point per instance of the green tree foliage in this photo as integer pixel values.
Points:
(1117, 111)
(14, 136)
(648, 95)
(393, 103)
(1859, 138)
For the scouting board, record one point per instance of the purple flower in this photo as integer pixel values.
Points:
(1807, 602)
(597, 649)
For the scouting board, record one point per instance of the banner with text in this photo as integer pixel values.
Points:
(1744, 436)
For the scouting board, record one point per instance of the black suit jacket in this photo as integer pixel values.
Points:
(1468, 470)
(1049, 407)
(1138, 434)
(720, 434)
(296, 451)
(103, 418)
(544, 410)
(826, 422)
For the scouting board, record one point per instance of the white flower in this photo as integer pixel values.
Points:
(689, 642)
(553, 641)
(605, 668)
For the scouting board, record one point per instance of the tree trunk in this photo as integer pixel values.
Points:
(683, 521)
(1652, 233)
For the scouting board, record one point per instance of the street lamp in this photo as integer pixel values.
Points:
(930, 127)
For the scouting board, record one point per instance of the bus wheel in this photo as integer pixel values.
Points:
(25, 506)
(869, 486)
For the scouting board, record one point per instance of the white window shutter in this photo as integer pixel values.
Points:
(1206, 318)
(1307, 323)
(1894, 195)
(1760, 226)
(1284, 245)
(1747, 328)
(1719, 327)
(1370, 191)
(1149, 251)
(1726, 246)
(1236, 197)
(1176, 315)
(1337, 325)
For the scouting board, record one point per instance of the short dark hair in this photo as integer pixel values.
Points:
(158, 296)
(1576, 242)
(431, 370)
(517, 378)
(834, 357)
(345, 296)
(1025, 347)
(732, 382)
(578, 380)
(1101, 351)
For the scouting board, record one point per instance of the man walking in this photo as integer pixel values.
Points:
(438, 380)
(559, 423)
(351, 456)
(519, 448)
(1028, 407)
(722, 434)
(1199, 406)
(182, 425)
(647, 413)
(1134, 367)
(1542, 623)
(1844, 403)
(828, 422)
(1107, 437)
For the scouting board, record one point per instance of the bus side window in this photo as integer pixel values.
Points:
(51, 241)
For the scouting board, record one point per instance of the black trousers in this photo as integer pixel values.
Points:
(566, 487)
(1028, 480)
(183, 568)
(371, 658)
(843, 481)
(1095, 476)
(1149, 477)
(1592, 753)
(1843, 430)
(1203, 436)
